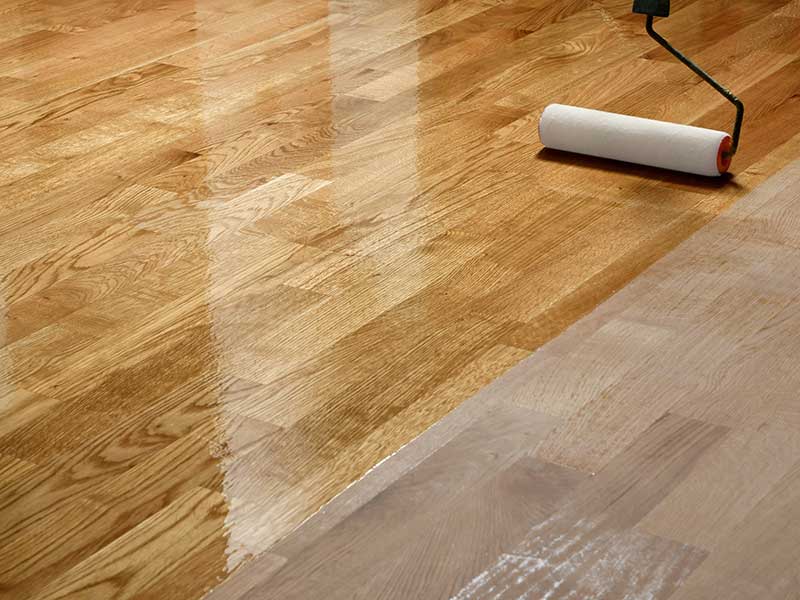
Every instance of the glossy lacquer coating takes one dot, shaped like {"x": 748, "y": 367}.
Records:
{"x": 250, "y": 248}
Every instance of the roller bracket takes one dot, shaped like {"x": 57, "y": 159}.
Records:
{"x": 645, "y": 6}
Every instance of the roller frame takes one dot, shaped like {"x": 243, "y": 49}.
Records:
{"x": 661, "y": 8}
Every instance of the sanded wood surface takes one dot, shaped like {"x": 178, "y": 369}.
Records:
{"x": 250, "y": 248}
{"x": 632, "y": 481}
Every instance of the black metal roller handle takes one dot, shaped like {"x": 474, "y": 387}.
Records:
{"x": 737, "y": 128}
{"x": 661, "y": 8}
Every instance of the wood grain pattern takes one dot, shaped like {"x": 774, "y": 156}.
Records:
{"x": 249, "y": 249}
{"x": 457, "y": 499}
{"x": 588, "y": 548}
{"x": 672, "y": 399}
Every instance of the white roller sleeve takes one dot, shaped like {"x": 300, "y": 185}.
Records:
{"x": 633, "y": 139}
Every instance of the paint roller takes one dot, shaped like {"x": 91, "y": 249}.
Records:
{"x": 645, "y": 141}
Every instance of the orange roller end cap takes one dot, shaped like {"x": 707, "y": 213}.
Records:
{"x": 723, "y": 155}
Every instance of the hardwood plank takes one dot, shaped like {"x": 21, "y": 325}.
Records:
{"x": 126, "y": 568}
{"x": 406, "y": 558}
{"x": 410, "y": 455}
{"x": 683, "y": 30}
{"x": 744, "y": 468}
{"x": 243, "y": 582}
{"x": 588, "y": 547}
{"x": 323, "y": 226}
{"x": 675, "y": 500}
{"x": 473, "y": 525}
{"x": 792, "y": 9}
{"x": 87, "y": 524}
{"x": 445, "y": 483}
{"x": 12, "y": 469}
{"x": 646, "y": 324}
{"x": 20, "y": 407}
{"x": 25, "y": 48}
{"x": 760, "y": 557}
{"x": 85, "y": 97}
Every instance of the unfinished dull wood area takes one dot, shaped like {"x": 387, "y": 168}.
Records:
{"x": 249, "y": 249}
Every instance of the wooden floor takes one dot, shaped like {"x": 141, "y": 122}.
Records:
{"x": 251, "y": 248}
{"x": 650, "y": 452}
